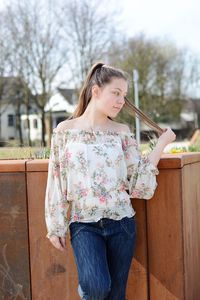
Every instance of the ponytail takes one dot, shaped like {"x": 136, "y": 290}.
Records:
{"x": 101, "y": 74}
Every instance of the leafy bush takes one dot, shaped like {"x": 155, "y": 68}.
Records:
{"x": 194, "y": 148}
{"x": 42, "y": 153}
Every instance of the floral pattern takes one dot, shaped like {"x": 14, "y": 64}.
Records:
{"x": 95, "y": 173}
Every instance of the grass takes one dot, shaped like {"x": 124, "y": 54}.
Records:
{"x": 36, "y": 152}
{"x": 23, "y": 153}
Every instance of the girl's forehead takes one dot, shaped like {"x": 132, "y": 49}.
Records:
{"x": 119, "y": 83}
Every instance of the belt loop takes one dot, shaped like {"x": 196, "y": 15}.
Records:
{"x": 101, "y": 222}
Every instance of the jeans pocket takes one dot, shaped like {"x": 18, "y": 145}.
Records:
{"x": 129, "y": 226}
{"x": 75, "y": 228}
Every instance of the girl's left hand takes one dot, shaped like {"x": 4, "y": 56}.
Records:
{"x": 167, "y": 137}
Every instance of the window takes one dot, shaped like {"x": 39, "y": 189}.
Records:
{"x": 35, "y": 123}
{"x": 10, "y": 120}
{"x": 60, "y": 119}
{"x": 25, "y": 124}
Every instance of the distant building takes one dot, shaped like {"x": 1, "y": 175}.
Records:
{"x": 12, "y": 107}
{"x": 59, "y": 107}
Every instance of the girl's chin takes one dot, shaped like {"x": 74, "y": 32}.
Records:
{"x": 114, "y": 114}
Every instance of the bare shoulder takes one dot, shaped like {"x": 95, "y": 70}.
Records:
{"x": 67, "y": 124}
{"x": 120, "y": 127}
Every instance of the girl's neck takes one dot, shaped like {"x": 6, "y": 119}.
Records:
{"x": 94, "y": 122}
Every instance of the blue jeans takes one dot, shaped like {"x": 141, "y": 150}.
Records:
{"x": 103, "y": 253}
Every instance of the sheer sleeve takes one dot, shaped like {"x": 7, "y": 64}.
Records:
{"x": 141, "y": 173}
{"x": 56, "y": 204}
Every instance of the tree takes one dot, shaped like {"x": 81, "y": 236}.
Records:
{"x": 163, "y": 70}
{"x": 4, "y": 65}
{"x": 88, "y": 31}
{"x": 37, "y": 49}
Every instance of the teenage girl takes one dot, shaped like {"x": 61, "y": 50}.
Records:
{"x": 95, "y": 167}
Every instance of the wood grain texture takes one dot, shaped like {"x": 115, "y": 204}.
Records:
{"x": 14, "y": 248}
{"x": 165, "y": 238}
{"x": 191, "y": 229}
{"x": 12, "y": 166}
{"x": 166, "y": 265}
{"x": 137, "y": 286}
{"x": 53, "y": 273}
{"x": 177, "y": 161}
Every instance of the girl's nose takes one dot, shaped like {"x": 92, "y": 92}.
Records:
{"x": 121, "y": 100}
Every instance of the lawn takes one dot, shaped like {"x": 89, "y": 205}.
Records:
{"x": 34, "y": 152}
{"x": 23, "y": 153}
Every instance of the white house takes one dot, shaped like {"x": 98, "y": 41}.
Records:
{"x": 61, "y": 105}
{"x": 58, "y": 108}
{"x": 7, "y": 128}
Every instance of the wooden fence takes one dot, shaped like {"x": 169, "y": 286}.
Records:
{"x": 167, "y": 260}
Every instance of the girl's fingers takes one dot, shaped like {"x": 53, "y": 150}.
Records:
{"x": 56, "y": 243}
{"x": 63, "y": 241}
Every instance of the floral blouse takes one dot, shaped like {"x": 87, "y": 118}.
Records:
{"x": 95, "y": 173}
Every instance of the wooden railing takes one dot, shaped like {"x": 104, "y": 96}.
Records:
{"x": 167, "y": 260}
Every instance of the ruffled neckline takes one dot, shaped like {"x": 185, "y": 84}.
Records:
{"x": 91, "y": 131}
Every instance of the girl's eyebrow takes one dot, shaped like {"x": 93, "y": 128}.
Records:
{"x": 119, "y": 89}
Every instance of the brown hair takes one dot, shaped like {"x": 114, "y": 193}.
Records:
{"x": 101, "y": 74}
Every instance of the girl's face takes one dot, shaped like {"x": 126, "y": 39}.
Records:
{"x": 111, "y": 97}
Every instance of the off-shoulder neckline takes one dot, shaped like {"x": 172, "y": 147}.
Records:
{"x": 96, "y": 131}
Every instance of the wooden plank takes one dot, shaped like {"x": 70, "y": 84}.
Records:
{"x": 137, "y": 286}
{"x": 191, "y": 229}
{"x": 14, "y": 258}
{"x": 37, "y": 165}
{"x": 12, "y": 166}
{"x": 177, "y": 161}
{"x": 45, "y": 259}
{"x": 165, "y": 240}
{"x": 53, "y": 273}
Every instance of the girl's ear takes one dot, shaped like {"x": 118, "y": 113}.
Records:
{"x": 95, "y": 91}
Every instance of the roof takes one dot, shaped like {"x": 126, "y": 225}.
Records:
{"x": 58, "y": 103}
{"x": 69, "y": 94}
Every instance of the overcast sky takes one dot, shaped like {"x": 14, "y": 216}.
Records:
{"x": 179, "y": 20}
{"x": 176, "y": 20}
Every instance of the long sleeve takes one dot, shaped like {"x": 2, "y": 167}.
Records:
{"x": 56, "y": 204}
{"x": 141, "y": 173}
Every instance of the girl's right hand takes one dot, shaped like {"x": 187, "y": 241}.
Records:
{"x": 167, "y": 137}
{"x": 58, "y": 242}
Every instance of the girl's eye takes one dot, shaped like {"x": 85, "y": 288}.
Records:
{"x": 117, "y": 93}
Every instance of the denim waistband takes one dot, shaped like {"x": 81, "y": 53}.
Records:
{"x": 103, "y": 221}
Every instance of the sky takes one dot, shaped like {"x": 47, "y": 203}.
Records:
{"x": 177, "y": 20}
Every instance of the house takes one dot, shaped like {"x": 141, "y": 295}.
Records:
{"x": 59, "y": 107}
{"x": 14, "y": 116}
{"x": 12, "y": 106}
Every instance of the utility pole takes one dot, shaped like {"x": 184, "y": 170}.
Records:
{"x": 137, "y": 121}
